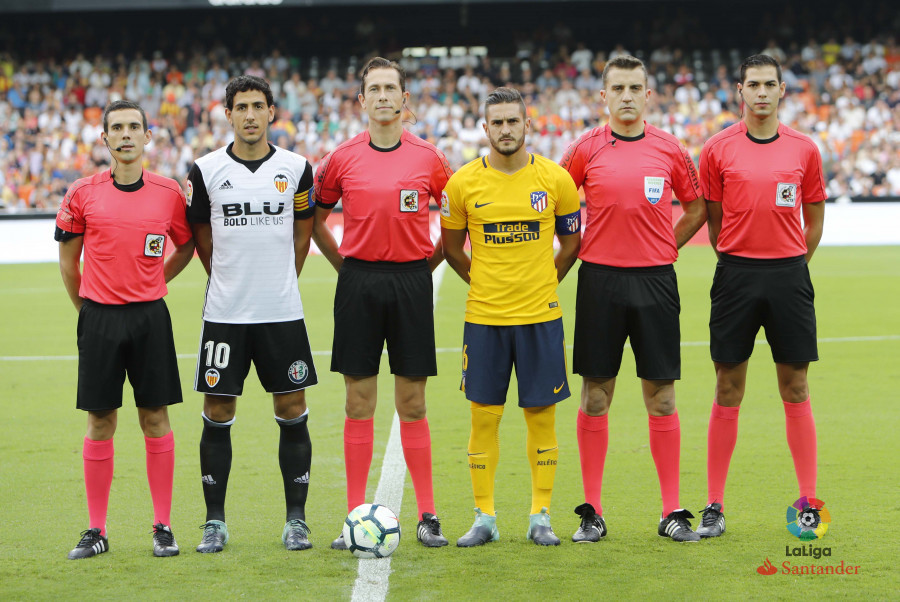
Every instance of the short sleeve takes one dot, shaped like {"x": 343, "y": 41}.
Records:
{"x": 198, "y": 210}
{"x": 440, "y": 174}
{"x": 814, "y": 190}
{"x": 453, "y": 207}
{"x": 327, "y": 184}
{"x": 685, "y": 182}
{"x": 710, "y": 177}
{"x": 305, "y": 195}
{"x": 179, "y": 229}
{"x": 69, "y": 219}
{"x": 573, "y": 162}
{"x": 568, "y": 209}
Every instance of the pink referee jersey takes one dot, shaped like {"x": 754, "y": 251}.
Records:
{"x": 384, "y": 194}
{"x": 124, "y": 235}
{"x": 628, "y": 185}
{"x": 761, "y": 185}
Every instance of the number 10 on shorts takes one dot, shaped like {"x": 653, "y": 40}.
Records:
{"x": 216, "y": 355}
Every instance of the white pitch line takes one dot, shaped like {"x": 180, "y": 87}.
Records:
{"x": 184, "y": 356}
{"x": 373, "y": 574}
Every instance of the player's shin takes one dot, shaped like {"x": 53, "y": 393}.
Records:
{"x": 160, "y": 452}
{"x": 665, "y": 446}
{"x": 294, "y": 458}
{"x": 359, "y": 438}
{"x": 720, "y": 441}
{"x": 415, "y": 438}
{"x": 215, "y": 465}
{"x": 801, "y": 438}
{"x": 98, "y": 474}
{"x": 484, "y": 453}
{"x": 593, "y": 443}
{"x": 543, "y": 454}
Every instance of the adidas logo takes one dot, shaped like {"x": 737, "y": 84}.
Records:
{"x": 226, "y": 186}
{"x": 304, "y": 480}
{"x": 208, "y": 479}
{"x": 672, "y": 528}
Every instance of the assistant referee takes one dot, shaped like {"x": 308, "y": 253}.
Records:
{"x": 758, "y": 177}
{"x": 121, "y": 219}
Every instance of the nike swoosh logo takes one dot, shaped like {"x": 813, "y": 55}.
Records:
{"x": 559, "y": 388}
{"x": 477, "y": 206}
{"x": 541, "y": 451}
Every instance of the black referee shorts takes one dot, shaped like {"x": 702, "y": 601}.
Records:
{"x": 641, "y": 304}
{"x": 383, "y": 301}
{"x": 776, "y": 294}
{"x": 133, "y": 339}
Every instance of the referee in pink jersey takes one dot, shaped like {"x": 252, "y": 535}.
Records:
{"x": 627, "y": 287}
{"x": 384, "y": 178}
{"x": 759, "y": 177}
{"x": 121, "y": 220}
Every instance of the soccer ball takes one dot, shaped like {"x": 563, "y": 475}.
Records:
{"x": 371, "y": 531}
{"x": 809, "y": 519}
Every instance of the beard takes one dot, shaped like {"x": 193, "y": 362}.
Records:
{"x": 508, "y": 151}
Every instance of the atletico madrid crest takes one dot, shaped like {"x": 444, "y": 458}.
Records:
{"x": 539, "y": 201}
{"x": 281, "y": 183}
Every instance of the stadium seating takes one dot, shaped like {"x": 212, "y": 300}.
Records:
{"x": 845, "y": 96}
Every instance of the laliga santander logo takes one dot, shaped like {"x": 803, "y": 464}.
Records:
{"x": 767, "y": 568}
{"x": 808, "y": 519}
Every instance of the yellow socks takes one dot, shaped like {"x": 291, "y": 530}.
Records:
{"x": 543, "y": 453}
{"x": 484, "y": 453}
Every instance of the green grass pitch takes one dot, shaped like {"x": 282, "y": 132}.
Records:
{"x": 854, "y": 389}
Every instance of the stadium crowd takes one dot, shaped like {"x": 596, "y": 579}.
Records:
{"x": 845, "y": 94}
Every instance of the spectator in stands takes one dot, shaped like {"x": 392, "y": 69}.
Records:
{"x": 61, "y": 93}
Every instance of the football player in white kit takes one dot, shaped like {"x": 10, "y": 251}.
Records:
{"x": 250, "y": 206}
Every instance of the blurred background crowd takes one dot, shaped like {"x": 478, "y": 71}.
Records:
{"x": 843, "y": 87}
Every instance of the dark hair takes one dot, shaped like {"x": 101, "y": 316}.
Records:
{"x": 381, "y": 63}
{"x": 625, "y": 62}
{"x": 121, "y": 105}
{"x": 246, "y": 83}
{"x": 504, "y": 96}
{"x": 759, "y": 60}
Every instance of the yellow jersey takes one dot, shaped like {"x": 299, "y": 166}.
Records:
{"x": 511, "y": 220}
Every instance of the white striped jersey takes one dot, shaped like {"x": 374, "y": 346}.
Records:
{"x": 251, "y": 207}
